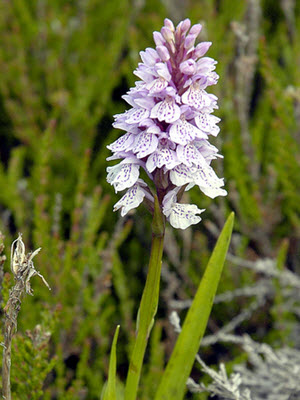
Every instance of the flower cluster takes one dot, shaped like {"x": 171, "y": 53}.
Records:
{"x": 168, "y": 126}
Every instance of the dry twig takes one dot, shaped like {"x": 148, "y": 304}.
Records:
{"x": 23, "y": 270}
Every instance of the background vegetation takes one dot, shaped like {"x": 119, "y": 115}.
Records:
{"x": 63, "y": 68}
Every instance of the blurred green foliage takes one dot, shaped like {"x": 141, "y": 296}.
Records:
{"x": 64, "y": 67}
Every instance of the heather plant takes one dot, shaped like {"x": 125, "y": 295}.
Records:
{"x": 64, "y": 67}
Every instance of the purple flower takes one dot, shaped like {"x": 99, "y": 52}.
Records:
{"x": 168, "y": 127}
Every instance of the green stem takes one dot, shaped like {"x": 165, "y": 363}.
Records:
{"x": 148, "y": 306}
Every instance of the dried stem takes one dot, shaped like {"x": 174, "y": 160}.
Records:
{"x": 11, "y": 310}
{"x": 23, "y": 270}
{"x": 2, "y": 260}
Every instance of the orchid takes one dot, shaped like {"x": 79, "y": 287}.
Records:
{"x": 168, "y": 127}
{"x": 167, "y": 132}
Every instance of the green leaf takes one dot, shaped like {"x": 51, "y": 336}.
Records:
{"x": 173, "y": 382}
{"x": 110, "y": 389}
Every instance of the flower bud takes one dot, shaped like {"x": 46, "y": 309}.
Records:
{"x": 201, "y": 49}
{"x": 195, "y": 29}
{"x": 169, "y": 24}
{"x": 167, "y": 34}
{"x": 188, "y": 67}
{"x": 163, "y": 53}
{"x": 189, "y": 41}
{"x": 158, "y": 39}
{"x": 184, "y": 26}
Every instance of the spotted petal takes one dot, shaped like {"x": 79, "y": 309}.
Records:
{"x": 136, "y": 115}
{"x": 145, "y": 144}
{"x": 184, "y": 215}
{"x": 131, "y": 199}
{"x": 207, "y": 123}
{"x": 162, "y": 156}
{"x": 124, "y": 143}
{"x": 208, "y": 182}
{"x": 181, "y": 175}
{"x": 157, "y": 85}
{"x": 180, "y": 215}
{"x": 182, "y": 132}
{"x": 166, "y": 110}
{"x": 123, "y": 176}
{"x": 189, "y": 155}
{"x": 196, "y": 97}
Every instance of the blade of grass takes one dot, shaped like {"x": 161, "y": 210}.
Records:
{"x": 110, "y": 390}
{"x": 173, "y": 382}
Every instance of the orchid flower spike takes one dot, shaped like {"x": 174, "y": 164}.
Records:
{"x": 168, "y": 127}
